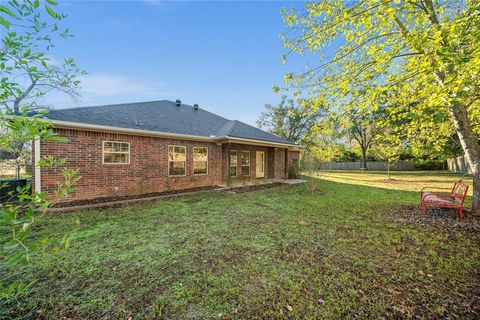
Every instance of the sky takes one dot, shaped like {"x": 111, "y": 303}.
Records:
{"x": 225, "y": 56}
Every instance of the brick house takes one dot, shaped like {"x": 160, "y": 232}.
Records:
{"x": 149, "y": 147}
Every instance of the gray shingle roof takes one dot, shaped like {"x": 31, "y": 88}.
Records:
{"x": 163, "y": 116}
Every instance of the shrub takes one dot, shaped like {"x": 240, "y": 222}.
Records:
{"x": 427, "y": 164}
{"x": 311, "y": 173}
{"x": 294, "y": 171}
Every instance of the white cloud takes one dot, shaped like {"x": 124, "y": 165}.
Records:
{"x": 166, "y": 5}
{"x": 96, "y": 89}
{"x": 154, "y": 2}
{"x": 102, "y": 85}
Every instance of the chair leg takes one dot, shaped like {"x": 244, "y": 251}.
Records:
{"x": 424, "y": 210}
{"x": 460, "y": 213}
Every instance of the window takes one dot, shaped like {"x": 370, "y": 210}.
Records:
{"x": 200, "y": 160}
{"x": 245, "y": 162}
{"x": 233, "y": 163}
{"x": 116, "y": 152}
{"x": 177, "y": 158}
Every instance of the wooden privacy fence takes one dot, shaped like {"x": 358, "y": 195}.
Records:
{"x": 459, "y": 164}
{"x": 403, "y": 165}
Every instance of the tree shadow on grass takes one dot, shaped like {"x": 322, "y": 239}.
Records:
{"x": 434, "y": 173}
{"x": 343, "y": 252}
{"x": 443, "y": 218}
{"x": 404, "y": 209}
{"x": 395, "y": 178}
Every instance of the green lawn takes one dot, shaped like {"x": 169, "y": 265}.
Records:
{"x": 403, "y": 180}
{"x": 347, "y": 251}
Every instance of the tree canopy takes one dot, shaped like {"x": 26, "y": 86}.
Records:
{"x": 24, "y": 53}
{"x": 421, "y": 57}
{"x": 28, "y": 71}
{"x": 290, "y": 119}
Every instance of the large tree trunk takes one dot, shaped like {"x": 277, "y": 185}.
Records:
{"x": 469, "y": 142}
{"x": 476, "y": 194}
{"x": 364, "y": 158}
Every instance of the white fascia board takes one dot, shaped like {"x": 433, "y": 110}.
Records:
{"x": 139, "y": 132}
{"x": 261, "y": 142}
{"x": 102, "y": 128}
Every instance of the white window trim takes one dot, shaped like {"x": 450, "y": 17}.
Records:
{"x": 168, "y": 159}
{"x": 244, "y": 165}
{"x": 115, "y": 163}
{"x": 236, "y": 164}
{"x": 193, "y": 161}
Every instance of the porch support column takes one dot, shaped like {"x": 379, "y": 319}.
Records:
{"x": 37, "y": 169}
{"x": 286, "y": 163}
{"x": 229, "y": 178}
{"x": 265, "y": 164}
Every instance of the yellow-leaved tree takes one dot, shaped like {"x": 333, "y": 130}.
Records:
{"x": 423, "y": 54}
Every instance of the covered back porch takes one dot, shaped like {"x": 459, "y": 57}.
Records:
{"x": 247, "y": 163}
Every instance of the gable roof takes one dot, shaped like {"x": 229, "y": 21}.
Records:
{"x": 163, "y": 116}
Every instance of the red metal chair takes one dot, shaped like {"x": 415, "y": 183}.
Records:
{"x": 453, "y": 200}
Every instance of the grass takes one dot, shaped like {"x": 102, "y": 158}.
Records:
{"x": 274, "y": 253}
{"x": 400, "y": 180}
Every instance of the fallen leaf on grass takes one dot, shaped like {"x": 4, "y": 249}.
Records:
{"x": 289, "y": 307}
{"x": 392, "y": 291}
{"x": 360, "y": 294}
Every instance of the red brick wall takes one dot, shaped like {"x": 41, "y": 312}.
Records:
{"x": 148, "y": 168}
{"x": 242, "y": 147}
{"x": 146, "y": 173}
{"x": 274, "y": 162}
{"x": 279, "y": 160}
{"x": 293, "y": 157}
{"x": 270, "y": 162}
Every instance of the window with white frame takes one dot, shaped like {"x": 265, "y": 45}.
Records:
{"x": 177, "y": 160}
{"x": 115, "y": 152}
{"x": 200, "y": 160}
{"x": 245, "y": 162}
{"x": 233, "y": 163}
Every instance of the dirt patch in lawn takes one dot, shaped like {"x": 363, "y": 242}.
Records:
{"x": 243, "y": 189}
{"x": 118, "y": 201}
{"x": 438, "y": 217}
{"x": 101, "y": 200}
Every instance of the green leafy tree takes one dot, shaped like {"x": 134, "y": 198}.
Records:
{"x": 291, "y": 120}
{"x": 362, "y": 127}
{"x": 310, "y": 170}
{"x": 325, "y": 140}
{"x": 347, "y": 156}
{"x": 426, "y": 52}
{"x": 389, "y": 148}
{"x": 426, "y": 139}
{"x": 29, "y": 73}
{"x": 18, "y": 216}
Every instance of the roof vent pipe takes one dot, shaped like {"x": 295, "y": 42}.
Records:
{"x": 195, "y": 106}
{"x": 178, "y": 102}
